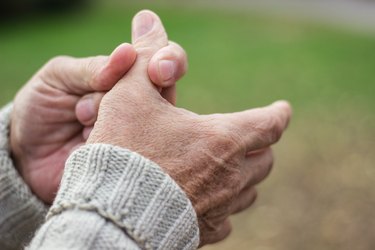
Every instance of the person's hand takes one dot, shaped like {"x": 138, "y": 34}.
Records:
{"x": 216, "y": 159}
{"x": 54, "y": 112}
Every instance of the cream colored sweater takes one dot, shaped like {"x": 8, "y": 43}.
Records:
{"x": 109, "y": 198}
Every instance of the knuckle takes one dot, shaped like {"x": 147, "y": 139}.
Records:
{"x": 95, "y": 61}
{"x": 261, "y": 170}
{"x": 271, "y": 129}
{"x": 180, "y": 56}
{"x": 248, "y": 201}
{"x": 224, "y": 143}
{"x": 267, "y": 167}
{"x": 56, "y": 61}
{"x": 224, "y": 147}
{"x": 90, "y": 69}
{"x": 216, "y": 234}
{"x": 277, "y": 128}
{"x": 214, "y": 230}
{"x": 59, "y": 59}
{"x": 227, "y": 139}
{"x": 145, "y": 52}
{"x": 52, "y": 70}
{"x": 226, "y": 230}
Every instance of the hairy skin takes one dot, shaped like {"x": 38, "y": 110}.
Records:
{"x": 216, "y": 159}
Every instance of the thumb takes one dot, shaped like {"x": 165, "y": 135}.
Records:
{"x": 148, "y": 36}
{"x": 259, "y": 128}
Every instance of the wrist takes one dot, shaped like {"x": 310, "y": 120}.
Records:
{"x": 130, "y": 191}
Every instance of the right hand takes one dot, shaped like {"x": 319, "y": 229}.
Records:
{"x": 60, "y": 102}
{"x": 216, "y": 159}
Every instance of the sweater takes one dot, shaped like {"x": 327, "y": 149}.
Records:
{"x": 21, "y": 213}
{"x": 109, "y": 198}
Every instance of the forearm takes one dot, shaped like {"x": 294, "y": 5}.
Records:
{"x": 21, "y": 212}
{"x": 111, "y": 198}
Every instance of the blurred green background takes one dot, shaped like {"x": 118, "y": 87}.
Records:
{"x": 321, "y": 192}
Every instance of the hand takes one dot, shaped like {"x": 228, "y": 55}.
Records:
{"x": 54, "y": 111}
{"x": 216, "y": 159}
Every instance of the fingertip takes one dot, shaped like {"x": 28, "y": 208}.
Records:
{"x": 85, "y": 110}
{"x": 148, "y": 33}
{"x": 145, "y": 12}
{"x": 284, "y": 105}
{"x": 162, "y": 72}
{"x": 286, "y": 109}
{"x": 142, "y": 23}
{"x": 119, "y": 63}
{"x": 124, "y": 53}
{"x": 168, "y": 65}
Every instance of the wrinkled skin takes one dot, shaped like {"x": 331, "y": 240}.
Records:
{"x": 54, "y": 112}
{"x": 216, "y": 159}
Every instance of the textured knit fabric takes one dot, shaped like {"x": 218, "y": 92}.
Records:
{"x": 112, "y": 198}
{"x": 20, "y": 211}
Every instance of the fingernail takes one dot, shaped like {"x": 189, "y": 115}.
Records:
{"x": 167, "y": 69}
{"x": 143, "y": 24}
{"x": 86, "y": 109}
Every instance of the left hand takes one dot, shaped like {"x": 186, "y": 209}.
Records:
{"x": 216, "y": 159}
{"x": 54, "y": 111}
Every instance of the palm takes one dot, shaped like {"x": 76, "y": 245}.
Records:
{"x": 47, "y": 131}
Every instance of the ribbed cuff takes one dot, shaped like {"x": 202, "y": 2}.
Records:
{"x": 132, "y": 192}
{"x": 21, "y": 212}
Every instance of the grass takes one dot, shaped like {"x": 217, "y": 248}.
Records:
{"x": 252, "y": 59}
{"x": 320, "y": 194}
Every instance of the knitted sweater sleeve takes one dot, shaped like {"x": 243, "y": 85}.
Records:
{"x": 112, "y": 198}
{"x": 21, "y": 213}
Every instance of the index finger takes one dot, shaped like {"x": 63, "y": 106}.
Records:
{"x": 85, "y": 75}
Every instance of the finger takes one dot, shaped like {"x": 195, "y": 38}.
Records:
{"x": 244, "y": 200}
{"x": 261, "y": 127}
{"x": 256, "y": 167}
{"x": 120, "y": 61}
{"x": 148, "y": 36}
{"x": 84, "y": 75}
{"x": 87, "y": 108}
{"x": 86, "y": 132}
{"x": 216, "y": 233}
{"x": 169, "y": 94}
{"x": 168, "y": 65}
